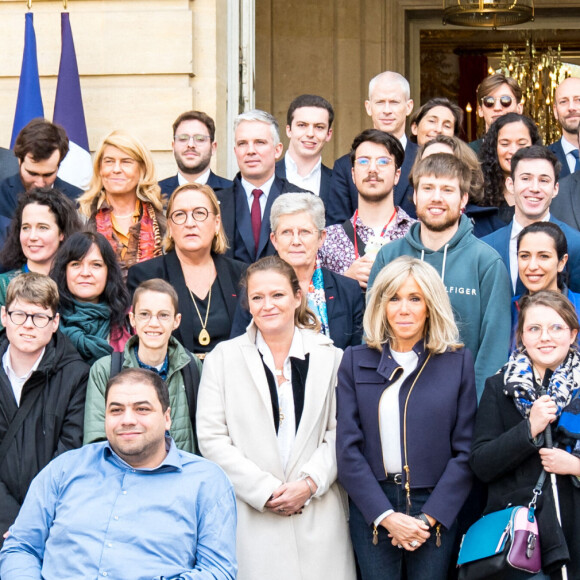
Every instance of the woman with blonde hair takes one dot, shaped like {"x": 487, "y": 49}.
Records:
{"x": 123, "y": 201}
{"x": 205, "y": 280}
{"x": 266, "y": 414}
{"x": 406, "y": 405}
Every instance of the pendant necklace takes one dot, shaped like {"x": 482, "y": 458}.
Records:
{"x": 203, "y": 337}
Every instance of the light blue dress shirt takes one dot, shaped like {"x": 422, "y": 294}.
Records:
{"x": 90, "y": 515}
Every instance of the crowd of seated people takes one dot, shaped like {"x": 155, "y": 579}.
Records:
{"x": 365, "y": 351}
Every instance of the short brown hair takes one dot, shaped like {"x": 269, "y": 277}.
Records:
{"x": 492, "y": 82}
{"x": 303, "y": 316}
{"x": 196, "y": 116}
{"x": 156, "y": 285}
{"x": 40, "y": 138}
{"x": 220, "y": 242}
{"x": 443, "y": 165}
{"x": 35, "y": 289}
{"x": 551, "y": 299}
{"x": 141, "y": 376}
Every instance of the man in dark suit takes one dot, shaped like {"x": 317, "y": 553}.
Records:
{"x": 309, "y": 129}
{"x": 389, "y": 104}
{"x": 567, "y": 113}
{"x": 40, "y": 147}
{"x": 245, "y": 207}
{"x": 193, "y": 146}
{"x": 533, "y": 184}
{"x": 8, "y": 163}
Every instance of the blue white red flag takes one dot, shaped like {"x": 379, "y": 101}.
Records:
{"x": 69, "y": 112}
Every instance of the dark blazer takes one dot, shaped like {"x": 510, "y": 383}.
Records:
{"x": 505, "y": 458}
{"x": 12, "y": 186}
{"x": 500, "y": 241}
{"x": 440, "y": 415}
{"x": 344, "y": 307}
{"x": 170, "y": 184}
{"x": 343, "y": 199}
{"x": 557, "y": 148}
{"x": 325, "y": 181}
{"x": 237, "y": 222}
{"x": 8, "y": 163}
{"x": 566, "y": 205}
{"x": 168, "y": 267}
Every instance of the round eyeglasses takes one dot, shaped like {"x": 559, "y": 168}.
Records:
{"x": 199, "y": 214}
{"x": 39, "y": 320}
{"x": 555, "y": 331}
{"x": 489, "y": 102}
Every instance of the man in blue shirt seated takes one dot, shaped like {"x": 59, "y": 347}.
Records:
{"x": 132, "y": 507}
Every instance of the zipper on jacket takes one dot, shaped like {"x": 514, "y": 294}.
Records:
{"x": 406, "y": 466}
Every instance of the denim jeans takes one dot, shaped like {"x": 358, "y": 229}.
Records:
{"x": 387, "y": 562}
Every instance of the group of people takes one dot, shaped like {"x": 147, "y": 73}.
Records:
{"x": 353, "y": 347}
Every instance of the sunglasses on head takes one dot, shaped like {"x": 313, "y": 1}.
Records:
{"x": 489, "y": 102}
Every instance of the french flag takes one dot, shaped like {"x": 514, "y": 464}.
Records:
{"x": 76, "y": 168}
{"x": 29, "y": 103}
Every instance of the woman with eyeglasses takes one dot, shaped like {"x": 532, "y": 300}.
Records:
{"x": 123, "y": 201}
{"x": 93, "y": 297}
{"x": 507, "y": 134}
{"x": 539, "y": 387}
{"x": 297, "y": 223}
{"x": 155, "y": 315}
{"x": 206, "y": 281}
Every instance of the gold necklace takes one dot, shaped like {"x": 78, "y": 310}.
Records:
{"x": 203, "y": 337}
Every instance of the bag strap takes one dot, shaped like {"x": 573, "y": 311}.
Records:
{"x": 349, "y": 231}
{"x": 116, "y": 364}
{"x": 19, "y": 418}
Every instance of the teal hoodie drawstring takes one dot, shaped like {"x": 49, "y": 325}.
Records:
{"x": 444, "y": 260}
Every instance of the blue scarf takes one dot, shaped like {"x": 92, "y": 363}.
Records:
{"x": 317, "y": 299}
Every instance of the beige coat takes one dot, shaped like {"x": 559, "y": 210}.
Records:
{"x": 236, "y": 430}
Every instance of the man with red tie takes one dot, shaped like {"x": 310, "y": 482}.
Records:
{"x": 245, "y": 206}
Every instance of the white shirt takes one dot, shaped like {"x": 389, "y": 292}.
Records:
{"x": 310, "y": 182}
{"x": 265, "y": 187}
{"x": 287, "y": 425}
{"x": 568, "y": 148}
{"x": 403, "y": 141}
{"x": 513, "y": 250}
{"x": 202, "y": 179}
{"x": 390, "y": 419}
{"x": 17, "y": 382}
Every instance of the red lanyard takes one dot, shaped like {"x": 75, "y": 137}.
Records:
{"x": 382, "y": 233}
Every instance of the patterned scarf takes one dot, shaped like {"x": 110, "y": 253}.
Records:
{"x": 519, "y": 381}
{"x": 149, "y": 237}
{"x": 317, "y": 299}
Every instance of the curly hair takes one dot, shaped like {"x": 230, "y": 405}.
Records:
{"x": 115, "y": 295}
{"x": 61, "y": 207}
{"x": 493, "y": 176}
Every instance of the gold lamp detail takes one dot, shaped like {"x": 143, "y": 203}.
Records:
{"x": 487, "y": 13}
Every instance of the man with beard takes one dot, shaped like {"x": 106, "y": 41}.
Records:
{"x": 350, "y": 248}
{"x": 475, "y": 277}
{"x": 131, "y": 507}
{"x": 567, "y": 113}
{"x": 193, "y": 146}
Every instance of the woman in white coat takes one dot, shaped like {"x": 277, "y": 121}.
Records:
{"x": 266, "y": 413}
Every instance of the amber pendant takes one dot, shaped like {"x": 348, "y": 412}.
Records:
{"x": 203, "y": 337}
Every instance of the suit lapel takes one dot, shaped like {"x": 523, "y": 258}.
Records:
{"x": 329, "y": 291}
{"x": 244, "y": 220}
{"x": 275, "y": 192}
{"x": 320, "y": 371}
{"x": 174, "y": 275}
{"x": 575, "y": 197}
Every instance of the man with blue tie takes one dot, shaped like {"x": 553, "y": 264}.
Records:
{"x": 389, "y": 104}
{"x": 567, "y": 113}
{"x": 245, "y": 207}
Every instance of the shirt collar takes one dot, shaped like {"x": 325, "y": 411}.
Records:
{"x": 265, "y": 187}
{"x": 7, "y": 363}
{"x": 403, "y": 141}
{"x": 567, "y": 146}
{"x": 291, "y": 165}
{"x": 517, "y": 227}
{"x": 296, "y": 348}
{"x": 172, "y": 461}
{"x": 202, "y": 179}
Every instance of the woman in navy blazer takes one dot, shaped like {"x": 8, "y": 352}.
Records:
{"x": 406, "y": 405}
{"x": 297, "y": 223}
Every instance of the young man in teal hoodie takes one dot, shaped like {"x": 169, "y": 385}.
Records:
{"x": 474, "y": 274}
